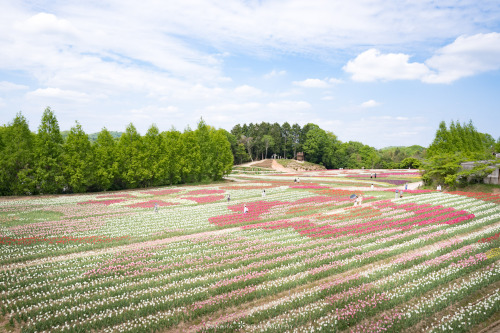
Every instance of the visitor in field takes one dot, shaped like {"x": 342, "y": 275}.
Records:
{"x": 371, "y": 187}
{"x": 396, "y": 194}
{"x": 263, "y": 193}
{"x": 156, "y": 207}
{"x": 375, "y": 175}
{"x": 406, "y": 186}
{"x": 298, "y": 180}
{"x": 439, "y": 188}
{"x": 228, "y": 197}
{"x": 401, "y": 194}
{"x": 245, "y": 209}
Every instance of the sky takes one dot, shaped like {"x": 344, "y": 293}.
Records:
{"x": 384, "y": 73}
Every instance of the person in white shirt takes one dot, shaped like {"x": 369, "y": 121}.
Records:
{"x": 245, "y": 209}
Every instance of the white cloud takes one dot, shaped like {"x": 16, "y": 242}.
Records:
{"x": 274, "y": 73}
{"x": 45, "y": 23}
{"x": 371, "y": 65}
{"x": 316, "y": 83}
{"x": 58, "y": 94}
{"x": 9, "y": 86}
{"x": 247, "y": 91}
{"x": 466, "y": 56}
{"x": 370, "y": 104}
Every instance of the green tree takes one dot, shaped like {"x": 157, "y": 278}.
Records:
{"x": 223, "y": 158}
{"x": 133, "y": 168}
{"x": 268, "y": 142}
{"x": 241, "y": 154}
{"x": 191, "y": 157}
{"x": 154, "y": 150}
{"x": 16, "y": 158}
{"x": 106, "y": 162}
{"x": 48, "y": 152}
{"x": 78, "y": 169}
{"x": 173, "y": 160}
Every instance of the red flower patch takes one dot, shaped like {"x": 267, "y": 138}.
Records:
{"x": 151, "y": 204}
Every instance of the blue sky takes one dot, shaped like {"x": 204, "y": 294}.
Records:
{"x": 383, "y": 73}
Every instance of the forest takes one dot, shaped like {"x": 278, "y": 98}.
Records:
{"x": 258, "y": 141}
{"x": 44, "y": 163}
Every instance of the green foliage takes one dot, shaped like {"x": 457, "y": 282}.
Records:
{"x": 78, "y": 168}
{"x": 475, "y": 175}
{"x": 105, "y": 160}
{"x": 16, "y": 158}
{"x": 451, "y": 147}
{"x": 48, "y": 155}
{"x": 410, "y": 162}
{"x": 45, "y": 163}
{"x": 442, "y": 169}
{"x": 320, "y": 146}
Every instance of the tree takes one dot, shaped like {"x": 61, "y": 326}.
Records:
{"x": 223, "y": 161}
{"x": 154, "y": 150}
{"x": 315, "y": 144}
{"x": 248, "y": 143}
{"x": 241, "y": 154}
{"x": 133, "y": 170}
{"x": 295, "y": 136}
{"x": 78, "y": 169}
{"x": 48, "y": 151}
{"x": 106, "y": 162}
{"x": 191, "y": 157}
{"x": 16, "y": 158}
{"x": 268, "y": 142}
{"x": 173, "y": 160}
{"x": 451, "y": 147}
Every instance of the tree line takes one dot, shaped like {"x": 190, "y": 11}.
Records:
{"x": 453, "y": 145}
{"x": 265, "y": 140}
{"x": 42, "y": 162}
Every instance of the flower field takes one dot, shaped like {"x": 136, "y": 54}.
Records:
{"x": 303, "y": 259}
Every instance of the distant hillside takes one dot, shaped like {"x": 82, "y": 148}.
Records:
{"x": 412, "y": 151}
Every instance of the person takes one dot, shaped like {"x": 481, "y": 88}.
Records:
{"x": 295, "y": 180}
{"x": 298, "y": 180}
{"x": 371, "y": 187}
{"x": 228, "y": 197}
{"x": 396, "y": 194}
{"x": 401, "y": 194}
{"x": 245, "y": 209}
{"x": 356, "y": 201}
{"x": 156, "y": 207}
{"x": 375, "y": 175}
{"x": 371, "y": 175}
{"x": 439, "y": 188}
{"x": 263, "y": 193}
{"x": 406, "y": 186}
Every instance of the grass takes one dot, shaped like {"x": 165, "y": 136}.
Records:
{"x": 20, "y": 218}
